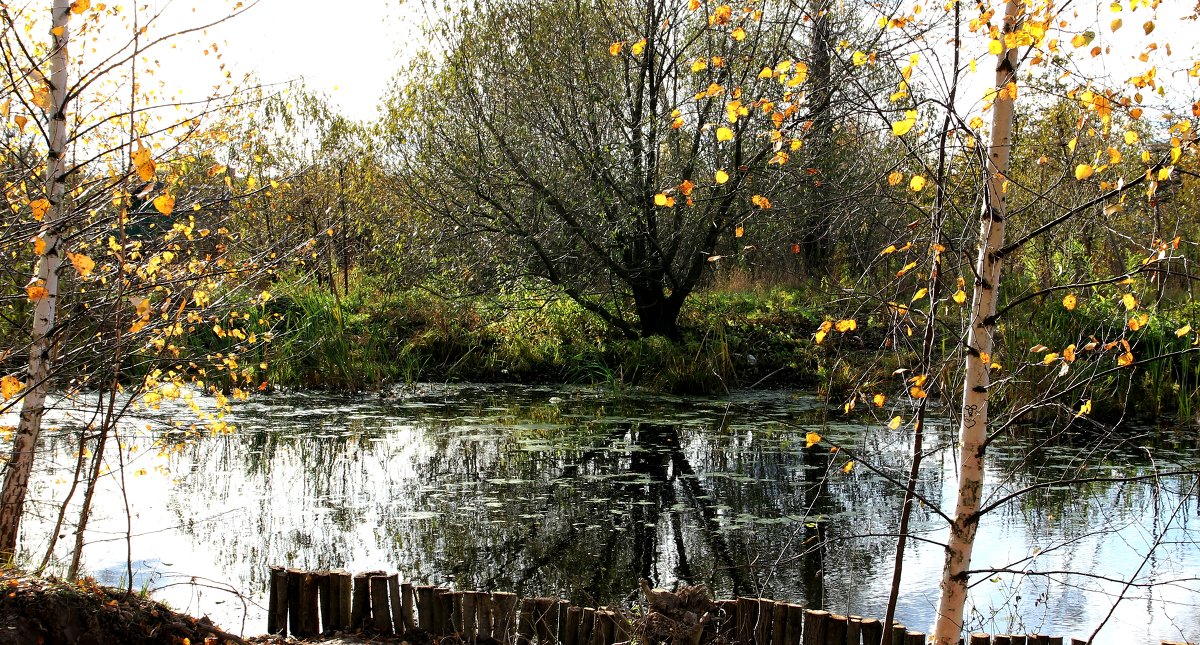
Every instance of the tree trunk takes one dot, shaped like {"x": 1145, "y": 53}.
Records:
{"x": 973, "y": 430}
{"x": 20, "y": 465}
{"x": 657, "y": 313}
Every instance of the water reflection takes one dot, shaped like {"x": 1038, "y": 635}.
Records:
{"x": 571, "y": 493}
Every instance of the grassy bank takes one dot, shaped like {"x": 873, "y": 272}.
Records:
{"x": 373, "y": 336}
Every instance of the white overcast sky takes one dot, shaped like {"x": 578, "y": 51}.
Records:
{"x": 350, "y": 49}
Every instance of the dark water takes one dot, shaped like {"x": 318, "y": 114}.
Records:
{"x": 578, "y": 493}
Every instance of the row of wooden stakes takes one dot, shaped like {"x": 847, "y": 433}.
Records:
{"x": 309, "y": 603}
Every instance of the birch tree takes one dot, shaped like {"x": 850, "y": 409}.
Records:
{"x": 107, "y": 240}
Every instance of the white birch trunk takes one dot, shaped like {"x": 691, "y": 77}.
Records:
{"x": 973, "y": 431}
{"x": 20, "y": 465}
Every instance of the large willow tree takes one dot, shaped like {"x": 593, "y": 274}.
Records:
{"x": 613, "y": 148}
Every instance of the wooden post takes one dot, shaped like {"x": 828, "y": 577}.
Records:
{"x": 393, "y": 582}
{"x": 1056, "y": 640}
{"x": 278, "y": 604}
{"x": 816, "y": 625}
{"x": 425, "y": 608}
{"x": 605, "y": 629}
{"x": 343, "y": 582}
{"x": 325, "y": 593}
{"x": 726, "y": 619}
{"x": 979, "y": 638}
{"x": 310, "y": 610}
{"x": 587, "y": 623}
{"x": 762, "y": 627}
{"x": 899, "y": 633}
{"x": 294, "y": 578}
{"x": 525, "y": 626}
{"x": 408, "y": 600}
{"x": 379, "y": 603}
{"x": 1037, "y": 639}
{"x": 456, "y": 612}
{"x": 360, "y": 610}
{"x": 483, "y": 615}
{"x": 747, "y": 618}
{"x": 570, "y": 634}
{"x": 1074, "y": 641}
{"x": 854, "y": 630}
{"x": 779, "y": 623}
{"x": 1018, "y": 639}
{"x": 915, "y": 638}
{"x": 563, "y": 607}
{"x": 795, "y": 625}
{"x": 872, "y": 631}
{"x": 546, "y": 621}
{"x": 468, "y": 617}
{"x": 835, "y": 632}
{"x": 1002, "y": 639}
{"x": 504, "y": 616}
{"x": 445, "y": 611}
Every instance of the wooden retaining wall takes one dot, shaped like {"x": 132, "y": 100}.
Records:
{"x": 308, "y": 603}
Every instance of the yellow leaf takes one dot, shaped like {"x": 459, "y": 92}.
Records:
{"x": 739, "y": 34}
{"x": 1182, "y": 331}
{"x": 10, "y": 386}
{"x": 1086, "y": 408}
{"x": 846, "y": 409}
{"x": 916, "y": 184}
{"x": 879, "y": 400}
{"x": 1125, "y": 359}
{"x": 20, "y": 121}
{"x": 700, "y": 65}
{"x": 36, "y": 292}
{"x": 848, "y": 467}
{"x": 41, "y": 98}
{"x": 1069, "y": 353}
{"x": 894, "y": 179}
{"x": 1116, "y": 24}
{"x": 860, "y": 58}
{"x": 637, "y": 48}
{"x": 761, "y": 202}
{"x": 844, "y": 326}
{"x": 80, "y": 6}
{"x": 895, "y": 423}
{"x": 39, "y": 245}
{"x": 143, "y": 163}
{"x": 917, "y": 392}
{"x": 1083, "y": 171}
{"x": 801, "y": 74}
{"x": 39, "y": 207}
{"x": 686, "y": 187}
{"x": 615, "y": 48}
{"x": 811, "y": 439}
{"x": 1148, "y": 27}
{"x": 891, "y": 248}
{"x": 1130, "y": 301}
{"x": 164, "y": 204}
{"x": 920, "y": 294}
{"x": 724, "y": 134}
{"x": 995, "y": 47}
{"x": 1049, "y": 358}
{"x": 739, "y": 231}
{"x": 721, "y": 176}
{"x": 906, "y": 268}
{"x": 766, "y": 72}
{"x": 82, "y": 263}
{"x": 900, "y": 128}
{"x": 1069, "y": 301}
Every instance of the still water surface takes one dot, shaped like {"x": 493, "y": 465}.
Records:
{"x": 578, "y": 493}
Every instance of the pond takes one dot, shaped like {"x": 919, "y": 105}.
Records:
{"x": 579, "y": 493}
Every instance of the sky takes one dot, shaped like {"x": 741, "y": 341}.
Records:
{"x": 348, "y": 49}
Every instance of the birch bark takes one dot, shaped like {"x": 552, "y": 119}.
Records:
{"x": 41, "y": 347}
{"x": 973, "y": 429}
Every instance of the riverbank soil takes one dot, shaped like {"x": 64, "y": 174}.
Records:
{"x": 52, "y": 612}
